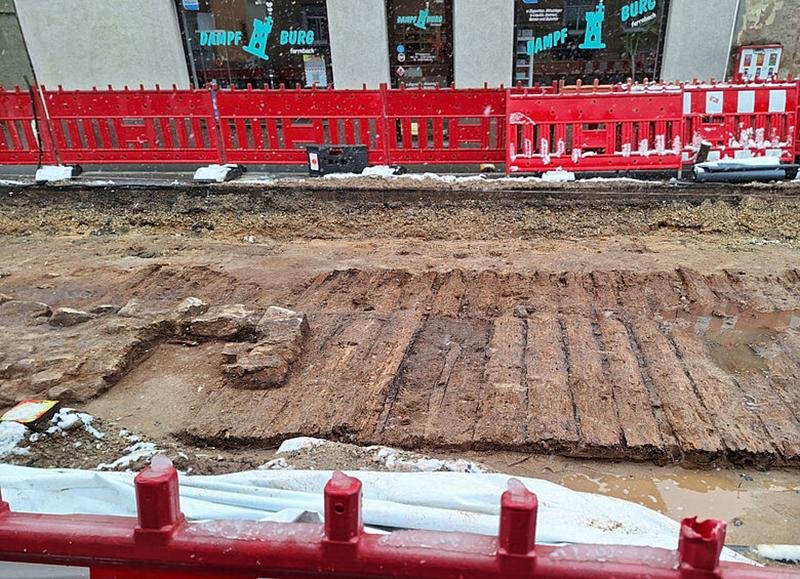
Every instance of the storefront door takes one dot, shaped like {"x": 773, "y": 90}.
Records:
{"x": 420, "y": 42}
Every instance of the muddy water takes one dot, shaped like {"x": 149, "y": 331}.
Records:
{"x": 759, "y": 507}
{"x": 730, "y": 335}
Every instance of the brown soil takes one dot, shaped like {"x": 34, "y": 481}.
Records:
{"x": 665, "y": 346}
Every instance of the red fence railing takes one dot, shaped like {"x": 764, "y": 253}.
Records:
{"x": 160, "y": 543}
{"x": 138, "y": 126}
{"x": 583, "y": 128}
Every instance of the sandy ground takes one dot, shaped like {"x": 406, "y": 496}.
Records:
{"x": 597, "y": 346}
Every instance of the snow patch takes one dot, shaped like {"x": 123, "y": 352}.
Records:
{"x": 215, "y": 173}
{"x": 741, "y": 162}
{"x": 558, "y": 176}
{"x": 783, "y": 553}
{"x": 299, "y": 443}
{"x": 53, "y": 173}
{"x": 11, "y": 434}
{"x": 135, "y": 452}
{"x": 66, "y": 419}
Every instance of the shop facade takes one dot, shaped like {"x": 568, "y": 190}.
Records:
{"x": 350, "y": 43}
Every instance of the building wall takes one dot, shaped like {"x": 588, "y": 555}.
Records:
{"x": 85, "y": 43}
{"x": 697, "y": 43}
{"x": 769, "y": 22}
{"x": 483, "y": 42}
{"x": 359, "y": 43}
{"x": 14, "y": 65}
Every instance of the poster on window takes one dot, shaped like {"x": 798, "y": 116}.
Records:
{"x": 263, "y": 43}
{"x": 420, "y": 42}
{"x": 611, "y": 40}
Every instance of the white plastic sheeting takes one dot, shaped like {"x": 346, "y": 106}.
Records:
{"x": 439, "y": 501}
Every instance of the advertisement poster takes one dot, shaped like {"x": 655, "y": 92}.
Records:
{"x": 420, "y": 40}
{"x": 611, "y": 40}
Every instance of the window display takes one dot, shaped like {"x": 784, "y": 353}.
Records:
{"x": 420, "y": 42}
{"x": 611, "y": 40}
{"x": 261, "y": 42}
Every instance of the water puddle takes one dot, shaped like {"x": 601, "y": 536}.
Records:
{"x": 755, "y": 505}
{"x": 730, "y": 337}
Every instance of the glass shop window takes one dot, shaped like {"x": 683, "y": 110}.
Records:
{"x": 420, "y": 42}
{"x": 611, "y": 40}
{"x": 264, "y": 43}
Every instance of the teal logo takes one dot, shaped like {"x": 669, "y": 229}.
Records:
{"x": 258, "y": 40}
{"x": 638, "y": 8}
{"x": 593, "y": 38}
{"x": 220, "y": 38}
{"x": 421, "y": 20}
{"x": 546, "y": 42}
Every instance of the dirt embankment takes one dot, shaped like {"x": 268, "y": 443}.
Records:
{"x": 234, "y": 212}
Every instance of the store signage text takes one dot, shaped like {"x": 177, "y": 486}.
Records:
{"x": 421, "y": 20}
{"x": 257, "y": 46}
{"x": 542, "y": 43}
{"x": 220, "y": 38}
{"x": 638, "y": 8}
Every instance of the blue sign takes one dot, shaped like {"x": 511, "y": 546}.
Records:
{"x": 421, "y": 20}
{"x": 401, "y": 49}
{"x": 193, "y": 5}
{"x": 258, "y": 40}
{"x": 593, "y": 38}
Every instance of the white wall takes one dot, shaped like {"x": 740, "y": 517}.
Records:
{"x": 85, "y": 43}
{"x": 698, "y": 39}
{"x": 483, "y": 42}
{"x": 359, "y": 43}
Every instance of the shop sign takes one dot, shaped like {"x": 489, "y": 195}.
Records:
{"x": 220, "y": 38}
{"x": 421, "y": 20}
{"x": 546, "y": 42}
{"x": 644, "y": 8}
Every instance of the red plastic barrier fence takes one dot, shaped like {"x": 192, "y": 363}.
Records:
{"x": 133, "y": 126}
{"x": 19, "y": 144}
{"x": 446, "y": 125}
{"x": 741, "y": 120}
{"x": 161, "y": 544}
{"x": 274, "y": 126}
{"x": 603, "y": 131}
{"x": 581, "y": 128}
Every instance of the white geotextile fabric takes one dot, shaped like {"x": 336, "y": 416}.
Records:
{"x": 440, "y": 501}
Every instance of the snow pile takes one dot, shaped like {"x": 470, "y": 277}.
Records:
{"x": 782, "y": 553}
{"x": 215, "y": 173}
{"x": 67, "y": 418}
{"x": 53, "y": 173}
{"x": 395, "y": 460}
{"x": 558, "y": 176}
{"x": 136, "y": 452}
{"x": 11, "y": 434}
{"x": 297, "y": 451}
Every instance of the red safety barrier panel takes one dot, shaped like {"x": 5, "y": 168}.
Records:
{"x": 133, "y": 126}
{"x": 18, "y": 137}
{"x": 159, "y": 543}
{"x": 446, "y": 125}
{"x": 581, "y": 128}
{"x": 274, "y": 126}
{"x": 741, "y": 120}
{"x": 598, "y": 131}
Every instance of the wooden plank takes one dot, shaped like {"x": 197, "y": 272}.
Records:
{"x": 689, "y": 420}
{"x": 503, "y": 407}
{"x": 591, "y": 390}
{"x": 637, "y": 418}
{"x": 551, "y": 416}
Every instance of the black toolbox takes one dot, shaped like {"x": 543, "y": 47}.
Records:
{"x": 327, "y": 159}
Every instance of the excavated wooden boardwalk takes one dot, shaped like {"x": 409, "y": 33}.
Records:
{"x": 647, "y": 366}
